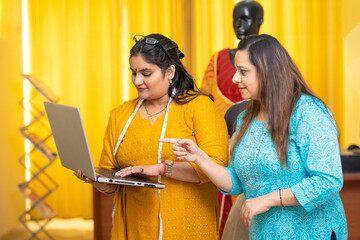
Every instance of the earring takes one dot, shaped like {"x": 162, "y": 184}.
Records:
{"x": 170, "y": 81}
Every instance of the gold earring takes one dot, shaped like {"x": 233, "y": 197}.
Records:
{"x": 170, "y": 81}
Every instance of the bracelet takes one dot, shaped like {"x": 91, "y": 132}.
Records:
{"x": 281, "y": 203}
{"x": 164, "y": 168}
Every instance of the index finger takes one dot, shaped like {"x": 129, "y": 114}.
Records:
{"x": 169, "y": 140}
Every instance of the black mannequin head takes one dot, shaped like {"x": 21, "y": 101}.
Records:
{"x": 247, "y": 18}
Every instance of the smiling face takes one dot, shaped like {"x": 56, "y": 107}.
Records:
{"x": 245, "y": 76}
{"x": 149, "y": 80}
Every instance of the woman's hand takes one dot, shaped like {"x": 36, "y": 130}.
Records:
{"x": 184, "y": 149}
{"x": 101, "y": 187}
{"x": 253, "y": 207}
{"x": 144, "y": 171}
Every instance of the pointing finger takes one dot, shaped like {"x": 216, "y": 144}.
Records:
{"x": 169, "y": 140}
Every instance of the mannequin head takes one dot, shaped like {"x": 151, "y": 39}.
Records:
{"x": 247, "y": 18}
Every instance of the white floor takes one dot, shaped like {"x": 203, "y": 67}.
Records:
{"x": 58, "y": 228}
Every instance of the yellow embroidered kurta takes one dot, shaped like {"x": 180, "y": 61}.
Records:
{"x": 188, "y": 210}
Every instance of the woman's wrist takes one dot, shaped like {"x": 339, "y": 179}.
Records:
{"x": 163, "y": 168}
{"x": 274, "y": 199}
{"x": 106, "y": 188}
{"x": 202, "y": 158}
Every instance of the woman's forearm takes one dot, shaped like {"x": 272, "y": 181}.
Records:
{"x": 186, "y": 150}
{"x": 282, "y": 198}
{"x": 183, "y": 171}
{"x": 215, "y": 172}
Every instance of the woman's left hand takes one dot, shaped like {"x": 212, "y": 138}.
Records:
{"x": 253, "y": 207}
{"x": 144, "y": 171}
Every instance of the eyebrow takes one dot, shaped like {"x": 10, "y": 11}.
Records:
{"x": 241, "y": 67}
{"x": 141, "y": 70}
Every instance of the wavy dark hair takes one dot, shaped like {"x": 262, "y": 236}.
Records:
{"x": 183, "y": 82}
{"x": 280, "y": 87}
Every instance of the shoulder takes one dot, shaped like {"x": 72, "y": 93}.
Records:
{"x": 309, "y": 105}
{"x": 223, "y": 54}
{"x": 219, "y": 53}
{"x": 240, "y": 117}
{"x": 201, "y": 105}
{"x": 124, "y": 108}
{"x": 312, "y": 112}
{"x": 201, "y": 100}
{"x": 223, "y": 51}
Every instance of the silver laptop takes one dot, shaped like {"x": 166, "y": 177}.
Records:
{"x": 73, "y": 149}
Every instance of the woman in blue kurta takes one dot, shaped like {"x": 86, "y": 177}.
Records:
{"x": 285, "y": 153}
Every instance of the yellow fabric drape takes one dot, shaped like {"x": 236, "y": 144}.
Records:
{"x": 351, "y": 39}
{"x": 311, "y": 31}
{"x": 213, "y": 31}
{"x": 80, "y": 49}
{"x": 11, "y": 142}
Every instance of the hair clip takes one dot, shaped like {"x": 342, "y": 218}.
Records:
{"x": 180, "y": 55}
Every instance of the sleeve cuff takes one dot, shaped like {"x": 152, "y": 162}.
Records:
{"x": 236, "y": 185}
{"x": 301, "y": 197}
{"x": 201, "y": 175}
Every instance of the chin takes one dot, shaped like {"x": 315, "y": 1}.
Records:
{"x": 246, "y": 97}
{"x": 240, "y": 37}
{"x": 142, "y": 96}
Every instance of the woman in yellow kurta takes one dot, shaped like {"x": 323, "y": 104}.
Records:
{"x": 187, "y": 208}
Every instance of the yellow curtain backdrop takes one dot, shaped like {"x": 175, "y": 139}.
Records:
{"x": 311, "y": 30}
{"x": 80, "y": 49}
{"x": 351, "y": 36}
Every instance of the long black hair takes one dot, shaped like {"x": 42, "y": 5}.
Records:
{"x": 183, "y": 82}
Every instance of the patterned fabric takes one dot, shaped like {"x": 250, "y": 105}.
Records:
{"x": 217, "y": 81}
{"x": 314, "y": 175}
{"x": 188, "y": 210}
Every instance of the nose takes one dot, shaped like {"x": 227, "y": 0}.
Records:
{"x": 236, "y": 78}
{"x": 239, "y": 23}
{"x": 137, "y": 80}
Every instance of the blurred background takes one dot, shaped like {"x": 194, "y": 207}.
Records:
{"x": 80, "y": 50}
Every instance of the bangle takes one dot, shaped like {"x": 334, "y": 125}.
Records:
{"x": 281, "y": 203}
{"x": 164, "y": 168}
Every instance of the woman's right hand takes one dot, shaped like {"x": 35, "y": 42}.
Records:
{"x": 101, "y": 187}
{"x": 185, "y": 149}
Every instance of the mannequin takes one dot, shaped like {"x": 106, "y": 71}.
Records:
{"x": 217, "y": 82}
{"x": 248, "y": 16}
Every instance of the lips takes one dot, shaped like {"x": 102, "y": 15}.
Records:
{"x": 242, "y": 88}
{"x": 240, "y": 33}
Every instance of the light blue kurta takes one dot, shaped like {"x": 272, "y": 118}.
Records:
{"x": 314, "y": 175}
